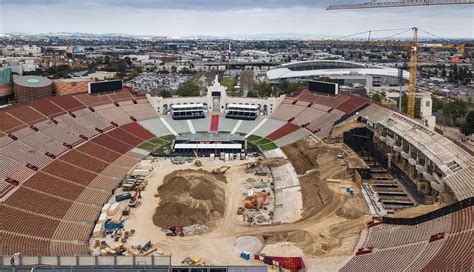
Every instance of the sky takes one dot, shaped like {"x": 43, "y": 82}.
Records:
{"x": 229, "y": 18}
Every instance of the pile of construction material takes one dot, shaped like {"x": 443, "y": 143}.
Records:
{"x": 181, "y": 160}
{"x": 258, "y": 208}
{"x": 195, "y": 229}
{"x": 259, "y": 171}
{"x": 144, "y": 250}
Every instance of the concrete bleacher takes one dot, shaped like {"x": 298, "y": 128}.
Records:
{"x": 62, "y": 135}
{"x": 288, "y": 205}
{"x": 114, "y": 114}
{"x": 201, "y": 124}
{"x": 228, "y": 125}
{"x": 23, "y": 132}
{"x": 91, "y": 119}
{"x": 178, "y": 125}
{"x": 270, "y": 126}
{"x": 24, "y": 154}
{"x": 247, "y": 126}
{"x": 140, "y": 111}
{"x": 155, "y": 126}
{"x": 77, "y": 128}
{"x": 307, "y": 116}
{"x": 4, "y": 140}
{"x": 292, "y": 137}
{"x": 44, "y": 143}
{"x": 287, "y": 111}
{"x": 288, "y": 198}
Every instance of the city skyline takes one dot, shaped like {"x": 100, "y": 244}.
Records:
{"x": 226, "y": 18}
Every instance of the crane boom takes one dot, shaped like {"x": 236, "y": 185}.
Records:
{"x": 402, "y": 3}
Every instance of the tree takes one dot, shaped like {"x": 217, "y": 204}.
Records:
{"x": 251, "y": 94}
{"x": 188, "y": 88}
{"x": 404, "y": 101}
{"x": 165, "y": 93}
{"x": 263, "y": 89}
{"x": 438, "y": 104}
{"x": 376, "y": 97}
{"x": 454, "y": 110}
{"x": 467, "y": 127}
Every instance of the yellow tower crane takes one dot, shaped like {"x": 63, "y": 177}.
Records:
{"x": 410, "y": 45}
{"x": 412, "y": 80}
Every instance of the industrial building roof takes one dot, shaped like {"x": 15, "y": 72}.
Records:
{"x": 328, "y": 68}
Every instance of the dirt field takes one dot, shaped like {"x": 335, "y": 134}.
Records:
{"x": 190, "y": 197}
{"x": 314, "y": 162}
{"x": 326, "y": 235}
{"x": 415, "y": 211}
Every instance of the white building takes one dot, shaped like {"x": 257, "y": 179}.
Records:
{"x": 216, "y": 100}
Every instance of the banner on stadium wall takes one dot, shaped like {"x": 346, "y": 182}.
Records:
{"x": 291, "y": 263}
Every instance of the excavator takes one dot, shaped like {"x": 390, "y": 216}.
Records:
{"x": 175, "y": 230}
{"x": 257, "y": 201}
{"x": 134, "y": 201}
{"x": 197, "y": 161}
{"x": 221, "y": 170}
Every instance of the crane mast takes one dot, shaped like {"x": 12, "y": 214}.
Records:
{"x": 412, "y": 81}
{"x": 403, "y": 3}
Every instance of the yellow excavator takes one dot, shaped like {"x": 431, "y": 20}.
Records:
{"x": 221, "y": 170}
{"x": 197, "y": 161}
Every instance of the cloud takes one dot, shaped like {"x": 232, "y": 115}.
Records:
{"x": 225, "y": 18}
{"x": 178, "y": 4}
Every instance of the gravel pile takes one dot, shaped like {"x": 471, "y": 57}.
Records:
{"x": 195, "y": 229}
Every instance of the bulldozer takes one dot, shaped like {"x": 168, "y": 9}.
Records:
{"x": 175, "y": 230}
{"x": 197, "y": 161}
{"x": 221, "y": 170}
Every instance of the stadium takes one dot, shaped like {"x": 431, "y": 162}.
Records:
{"x": 311, "y": 180}
{"x": 374, "y": 77}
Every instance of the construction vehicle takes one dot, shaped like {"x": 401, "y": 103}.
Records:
{"x": 197, "y": 161}
{"x": 109, "y": 225}
{"x": 123, "y": 197}
{"x": 175, "y": 230}
{"x": 189, "y": 261}
{"x": 134, "y": 201}
{"x": 257, "y": 201}
{"x": 221, "y": 170}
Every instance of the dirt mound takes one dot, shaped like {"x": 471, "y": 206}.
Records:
{"x": 315, "y": 192}
{"x": 273, "y": 162}
{"x": 307, "y": 154}
{"x": 311, "y": 244}
{"x": 189, "y": 197}
{"x": 416, "y": 211}
{"x": 352, "y": 208}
